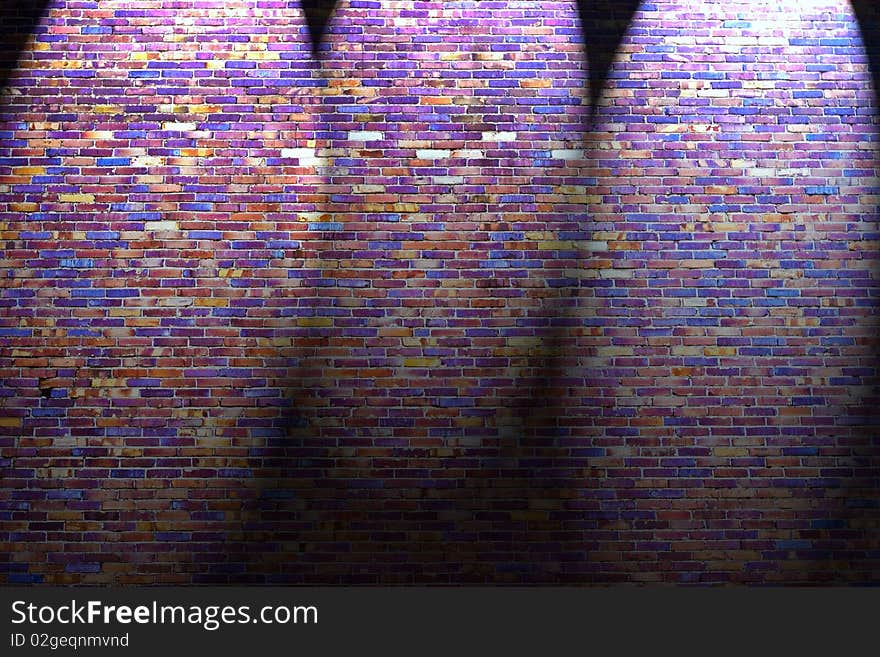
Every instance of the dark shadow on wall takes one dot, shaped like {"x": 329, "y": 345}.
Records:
{"x": 317, "y": 13}
{"x": 551, "y": 375}
{"x": 545, "y": 457}
{"x": 18, "y": 21}
{"x": 308, "y": 502}
{"x": 868, "y": 14}
{"x": 858, "y": 492}
{"x": 339, "y": 504}
{"x": 337, "y": 501}
{"x": 604, "y": 24}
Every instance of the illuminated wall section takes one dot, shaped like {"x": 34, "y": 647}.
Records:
{"x": 412, "y": 308}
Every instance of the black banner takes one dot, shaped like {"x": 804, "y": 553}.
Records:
{"x": 416, "y": 621}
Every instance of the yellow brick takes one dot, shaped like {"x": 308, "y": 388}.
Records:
{"x": 10, "y": 421}
{"x": 731, "y": 451}
{"x": 405, "y": 207}
{"x": 28, "y": 171}
{"x": 230, "y": 273}
{"x": 67, "y": 63}
{"x": 421, "y": 362}
{"x": 24, "y": 207}
{"x": 76, "y": 198}
{"x": 314, "y": 321}
{"x": 720, "y": 351}
{"x": 212, "y": 302}
{"x": 554, "y": 245}
{"x": 204, "y": 109}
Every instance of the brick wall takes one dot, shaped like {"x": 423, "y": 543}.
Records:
{"x": 415, "y": 311}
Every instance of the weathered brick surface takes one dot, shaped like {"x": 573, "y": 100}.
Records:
{"x": 409, "y": 312}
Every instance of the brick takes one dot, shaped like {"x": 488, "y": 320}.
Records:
{"x": 306, "y": 156}
{"x": 76, "y": 198}
{"x": 432, "y": 153}
{"x": 161, "y": 225}
{"x": 499, "y": 136}
{"x": 179, "y": 126}
{"x": 365, "y": 135}
{"x": 421, "y": 362}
